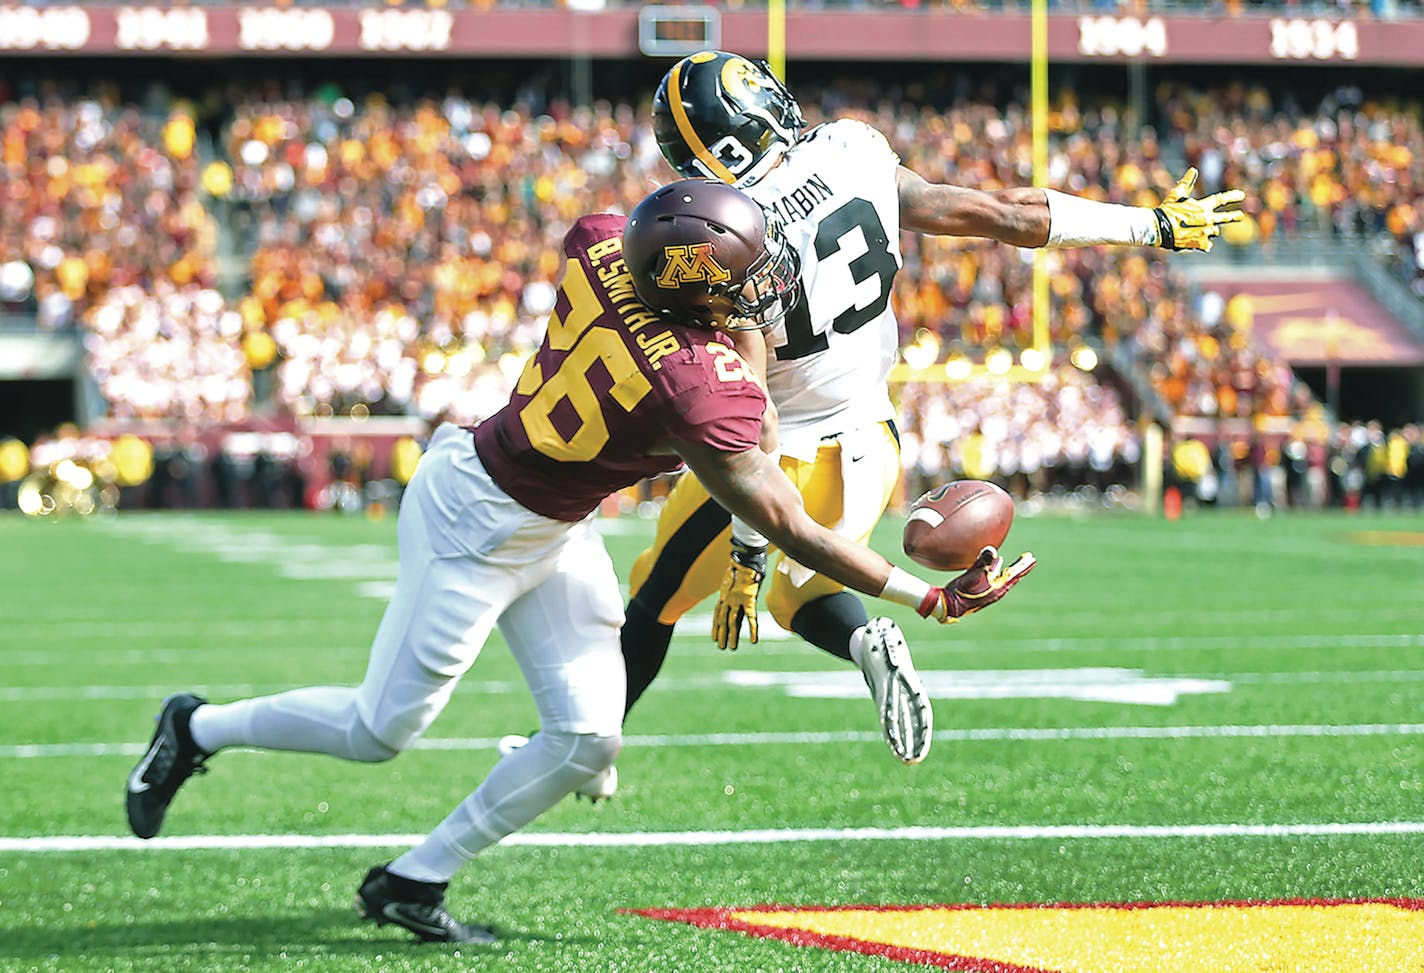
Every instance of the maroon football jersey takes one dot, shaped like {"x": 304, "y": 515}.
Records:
{"x": 610, "y": 380}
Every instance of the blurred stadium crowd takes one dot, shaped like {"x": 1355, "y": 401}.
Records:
{"x": 1375, "y": 8}
{"x": 333, "y": 255}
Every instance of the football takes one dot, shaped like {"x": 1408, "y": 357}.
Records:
{"x": 951, "y": 524}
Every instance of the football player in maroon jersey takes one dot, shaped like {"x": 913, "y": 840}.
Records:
{"x": 632, "y": 379}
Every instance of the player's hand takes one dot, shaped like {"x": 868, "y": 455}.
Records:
{"x": 738, "y": 598}
{"x": 982, "y": 585}
{"x": 1184, "y": 223}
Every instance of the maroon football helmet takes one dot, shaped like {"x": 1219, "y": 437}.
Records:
{"x": 703, "y": 253}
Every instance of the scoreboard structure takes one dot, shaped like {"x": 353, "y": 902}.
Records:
{"x": 227, "y": 30}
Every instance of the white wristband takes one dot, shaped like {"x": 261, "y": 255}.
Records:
{"x": 745, "y": 534}
{"x": 1077, "y": 222}
{"x": 903, "y": 588}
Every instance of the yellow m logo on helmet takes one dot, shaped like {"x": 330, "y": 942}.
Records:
{"x": 689, "y": 262}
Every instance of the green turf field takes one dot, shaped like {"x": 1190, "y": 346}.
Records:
{"x": 1221, "y": 710}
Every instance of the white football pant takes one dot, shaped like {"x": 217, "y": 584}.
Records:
{"x": 470, "y": 558}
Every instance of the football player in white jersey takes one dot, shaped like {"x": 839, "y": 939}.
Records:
{"x": 842, "y": 199}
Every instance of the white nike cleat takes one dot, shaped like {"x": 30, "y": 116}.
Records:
{"x": 905, "y": 713}
{"x": 600, "y": 787}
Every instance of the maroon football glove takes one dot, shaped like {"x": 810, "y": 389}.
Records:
{"x": 982, "y": 585}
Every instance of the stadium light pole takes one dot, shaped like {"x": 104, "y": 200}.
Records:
{"x": 1038, "y": 108}
{"x": 1042, "y": 344}
{"x": 776, "y": 37}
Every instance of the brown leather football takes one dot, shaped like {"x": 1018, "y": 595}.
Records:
{"x": 951, "y": 524}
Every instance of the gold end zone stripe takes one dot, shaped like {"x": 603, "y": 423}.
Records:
{"x": 689, "y": 134}
{"x": 1363, "y": 935}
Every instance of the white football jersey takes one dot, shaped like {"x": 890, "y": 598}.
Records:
{"x": 835, "y": 196}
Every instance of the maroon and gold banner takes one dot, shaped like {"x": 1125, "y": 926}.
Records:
{"x": 866, "y": 35}
{"x": 1316, "y": 322}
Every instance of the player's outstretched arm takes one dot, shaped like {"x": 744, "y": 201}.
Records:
{"x": 752, "y": 487}
{"x": 1028, "y": 217}
{"x": 1016, "y": 216}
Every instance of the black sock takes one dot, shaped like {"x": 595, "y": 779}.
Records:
{"x": 828, "y": 623}
{"x": 414, "y": 890}
{"x": 645, "y": 643}
{"x": 183, "y": 726}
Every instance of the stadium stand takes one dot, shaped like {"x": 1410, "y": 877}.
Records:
{"x": 397, "y": 256}
{"x": 1234, "y": 8}
{"x": 98, "y": 194}
{"x": 1346, "y": 166}
{"x": 1065, "y": 432}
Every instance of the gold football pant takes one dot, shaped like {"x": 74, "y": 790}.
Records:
{"x": 693, "y": 543}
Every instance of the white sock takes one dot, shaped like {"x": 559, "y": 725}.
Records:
{"x": 521, "y": 787}
{"x": 857, "y": 640}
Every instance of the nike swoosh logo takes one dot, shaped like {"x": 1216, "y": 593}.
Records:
{"x": 392, "y": 911}
{"x": 137, "y": 785}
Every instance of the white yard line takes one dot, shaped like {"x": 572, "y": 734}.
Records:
{"x": 691, "y": 631}
{"x": 666, "y": 839}
{"x": 372, "y": 567}
{"x": 1181, "y": 643}
{"x": 46, "y": 694}
{"x": 145, "y": 658}
{"x": 206, "y": 627}
{"x": 692, "y": 684}
{"x": 131, "y": 630}
{"x": 985, "y": 735}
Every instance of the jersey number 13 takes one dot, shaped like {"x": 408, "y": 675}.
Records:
{"x": 877, "y": 262}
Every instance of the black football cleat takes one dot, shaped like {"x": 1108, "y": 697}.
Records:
{"x": 416, "y": 906}
{"x": 171, "y": 759}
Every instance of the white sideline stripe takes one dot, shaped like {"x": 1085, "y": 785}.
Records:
{"x": 665, "y": 839}
{"x": 988, "y": 734}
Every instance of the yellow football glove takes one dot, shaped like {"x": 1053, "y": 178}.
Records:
{"x": 738, "y": 598}
{"x": 1184, "y": 223}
